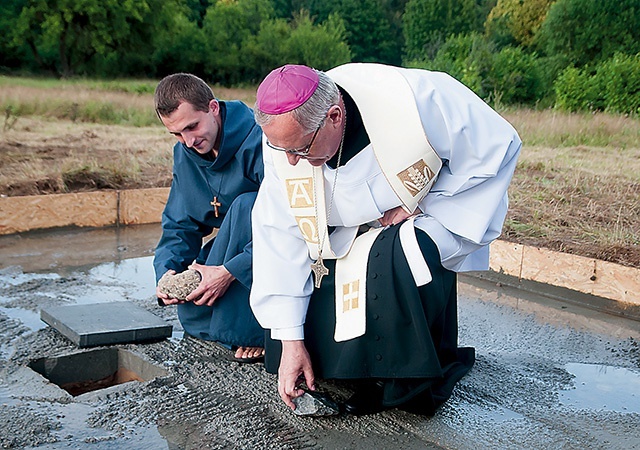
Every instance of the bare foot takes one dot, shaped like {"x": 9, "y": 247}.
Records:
{"x": 249, "y": 352}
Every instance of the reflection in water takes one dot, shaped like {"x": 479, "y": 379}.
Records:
{"x": 23, "y": 294}
{"x": 28, "y": 318}
{"x": 136, "y": 274}
{"x": 603, "y": 388}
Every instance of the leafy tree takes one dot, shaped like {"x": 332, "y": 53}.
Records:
{"x": 373, "y": 27}
{"x": 428, "y": 23}
{"x": 227, "y": 26}
{"x": 75, "y": 31}
{"x": 299, "y": 41}
{"x": 266, "y": 50}
{"x": 11, "y": 55}
{"x": 369, "y": 31}
{"x": 588, "y": 31}
{"x": 318, "y": 10}
{"x": 181, "y": 49}
{"x": 394, "y": 13}
{"x": 197, "y": 10}
{"x": 517, "y": 21}
{"x": 323, "y": 46}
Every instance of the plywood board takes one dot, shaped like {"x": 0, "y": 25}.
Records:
{"x": 142, "y": 205}
{"x": 558, "y": 269}
{"x": 83, "y": 209}
{"x": 506, "y": 258}
{"x": 617, "y": 282}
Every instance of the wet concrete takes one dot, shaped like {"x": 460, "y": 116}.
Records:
{"x": 549, "y": 374}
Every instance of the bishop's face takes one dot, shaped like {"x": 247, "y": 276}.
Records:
{"x": 198, "y": 130}
{"x": 285, "y": 134}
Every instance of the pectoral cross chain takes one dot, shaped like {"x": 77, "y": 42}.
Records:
{"x": 215, "y": 203}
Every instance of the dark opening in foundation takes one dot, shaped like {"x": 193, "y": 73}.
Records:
{"x": 79, "y": 373}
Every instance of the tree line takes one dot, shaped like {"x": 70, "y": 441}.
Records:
{"x": 572, "y": 54}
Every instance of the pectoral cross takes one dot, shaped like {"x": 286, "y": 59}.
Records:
{"x": 319, "y": 270}
{"x": 215, "y": 203}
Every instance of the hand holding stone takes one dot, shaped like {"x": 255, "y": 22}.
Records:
{"x": 179, "y": 285}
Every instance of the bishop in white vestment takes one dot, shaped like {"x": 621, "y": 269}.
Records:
{"x": 386, "y": 182}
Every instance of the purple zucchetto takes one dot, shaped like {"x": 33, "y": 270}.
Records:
{"x": 286, "y": 88}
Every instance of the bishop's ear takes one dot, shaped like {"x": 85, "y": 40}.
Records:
{"x": 336, "y": 114}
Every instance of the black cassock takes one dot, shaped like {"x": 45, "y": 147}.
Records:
{"x": 411, "y": 338}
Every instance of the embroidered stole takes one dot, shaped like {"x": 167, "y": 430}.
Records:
{"x": 302, "y": 195}
{"x": 392, "y": 121}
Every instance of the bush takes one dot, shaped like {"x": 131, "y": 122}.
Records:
{"x": 510, "y": 76}
{"x": 575, "y": 91}
{"x": 619, "y": 79}
{"x": 516, "y": 76}
{"x": 614, "y": 86}
{"x": 465, "y": 57}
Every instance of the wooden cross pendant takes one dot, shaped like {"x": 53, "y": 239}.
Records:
{"x": 215, "y": 203}
{"x": 319, "y": 270}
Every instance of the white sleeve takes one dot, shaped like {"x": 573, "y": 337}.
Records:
{"x": 479, "y": 149}
{"x": 282, "y": 283}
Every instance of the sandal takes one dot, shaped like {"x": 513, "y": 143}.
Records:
{"x": 251, "y": 360}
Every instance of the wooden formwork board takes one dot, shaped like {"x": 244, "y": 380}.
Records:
{"x": 142, "y": 205}
{"x": 82, "y": 209}
{"x": 586, "y": 275}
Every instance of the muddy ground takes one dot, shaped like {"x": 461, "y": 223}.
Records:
{"x": 548, "y": 375}
{"x": 39, "y": 157}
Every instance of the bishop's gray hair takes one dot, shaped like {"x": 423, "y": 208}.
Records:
{"x": 312, "y": 112}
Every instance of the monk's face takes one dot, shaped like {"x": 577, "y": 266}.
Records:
{"x": 198, "y": 130}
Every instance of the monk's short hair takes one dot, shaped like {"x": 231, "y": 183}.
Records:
{"x": 179, "y": 88}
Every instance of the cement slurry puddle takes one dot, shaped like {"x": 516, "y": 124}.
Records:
{"x": 604, "y": 388}
{"x": 548, "y": 374}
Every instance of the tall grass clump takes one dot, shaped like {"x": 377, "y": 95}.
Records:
{"x": 92, "y": 174}
{"x": 553, "y": 128}
{"x": 119, "y": 102}
{"x": 93, "y": 102}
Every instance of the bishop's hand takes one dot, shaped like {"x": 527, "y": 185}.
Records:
{"x": 395, "y": 216}
{"x": 295, "y": 365}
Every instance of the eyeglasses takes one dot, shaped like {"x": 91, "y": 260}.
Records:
{"x": 303, "y": 151}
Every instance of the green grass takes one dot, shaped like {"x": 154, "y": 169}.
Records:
{"x": 115, "y": 102}
{"x": 131, "y": 86}
{"x": 550, "y": 128}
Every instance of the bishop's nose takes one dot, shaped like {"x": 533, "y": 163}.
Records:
{"x": 293, "y": 159}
